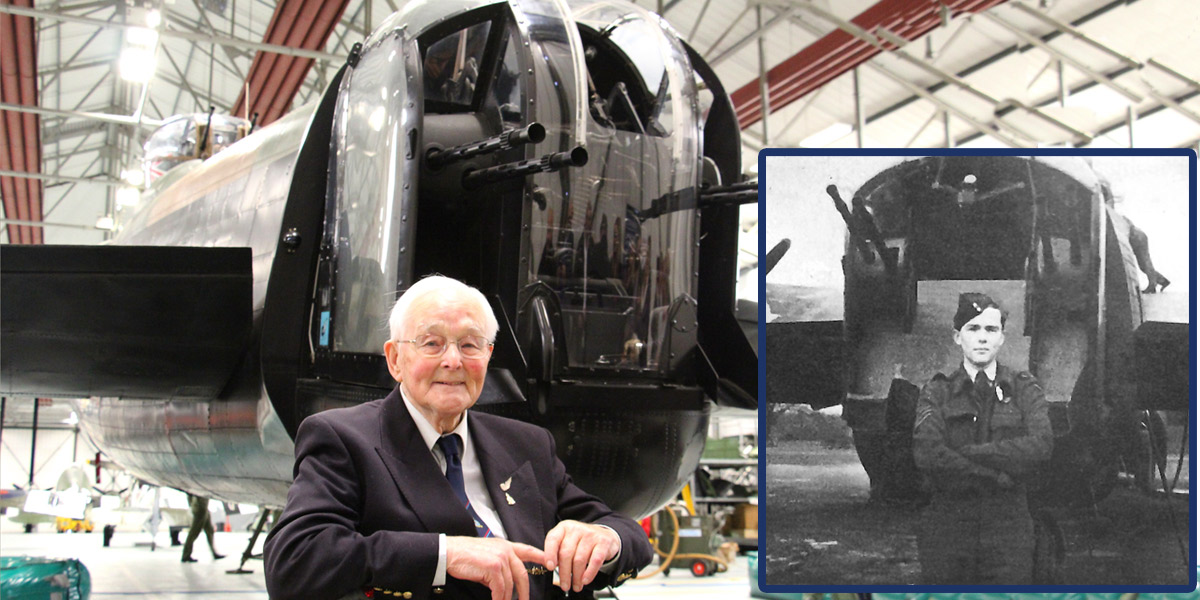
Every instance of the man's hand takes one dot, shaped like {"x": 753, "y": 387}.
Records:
{"x": 578, "y": 550}
{"x": 493, "y": 562}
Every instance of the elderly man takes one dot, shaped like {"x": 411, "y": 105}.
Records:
{"x": 415, "y": 496}
{"x": 979, "y": 432}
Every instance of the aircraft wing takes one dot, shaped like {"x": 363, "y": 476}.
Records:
{"x": 122, "y": 321}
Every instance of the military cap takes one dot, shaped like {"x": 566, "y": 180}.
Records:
{"x": 971, "y": 305}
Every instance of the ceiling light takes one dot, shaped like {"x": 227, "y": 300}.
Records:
{"x": 134, "y": 177}
{"x": 105, "y": 223}
{"x": 140, "y": 36}
{"x": 137, "y": 64}
{"x": 128, "y": 196}
{"x": 153, "y": 19}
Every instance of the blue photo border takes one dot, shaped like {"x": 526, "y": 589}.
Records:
{"x": 763, "y": 550}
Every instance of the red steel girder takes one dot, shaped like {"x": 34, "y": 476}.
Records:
{"x": 839, "y": 52}
{"x": 20, "y": 133}
{"x": 274, "y": 79}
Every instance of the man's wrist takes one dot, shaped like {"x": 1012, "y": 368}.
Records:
{"x": 610, "y": 565}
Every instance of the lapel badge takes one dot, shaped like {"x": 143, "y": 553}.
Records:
{"x": 1000, "y": 395}
{"x": 504, "y": 486}
{"x": 509, "y": 499}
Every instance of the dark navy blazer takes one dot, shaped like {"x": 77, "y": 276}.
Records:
{"x": 369, "y": 500}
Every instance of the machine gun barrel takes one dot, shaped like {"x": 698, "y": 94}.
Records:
{"x": 734, "y": 187}
{"x": 549, "y": 163}
{"x": 203, "y": 145}
{"x": 871, "y": 231}
{"x": 776, "y": 253}
{"x": 709, "y": 198}
{"x": 851, "y": 224}
{"x": 530, "y": 134}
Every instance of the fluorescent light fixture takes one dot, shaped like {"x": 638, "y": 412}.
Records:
{"x": 128, "y": 196}
{"x": 105, "y": 223}
{"x": 134, "y": 177}
{"x": 140, "y": 36}
{"x": 137, "y": 64}
{"x": 827, "y": 136}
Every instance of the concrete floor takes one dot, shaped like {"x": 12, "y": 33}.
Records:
{"x": 130, "y": 569}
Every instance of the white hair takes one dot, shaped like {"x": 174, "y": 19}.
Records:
{"x": 447, "y": 289}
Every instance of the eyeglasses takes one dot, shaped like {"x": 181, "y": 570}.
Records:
{"x": 469, "y": 346}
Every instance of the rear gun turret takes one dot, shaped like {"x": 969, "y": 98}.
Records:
{"x": 862, "y": 227}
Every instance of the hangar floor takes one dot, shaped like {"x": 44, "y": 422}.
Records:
{"x": 129, "y": 569}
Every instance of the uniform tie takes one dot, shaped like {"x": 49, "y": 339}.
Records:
{"x": 983, "y": 388}
{"x": 984, "y": 402}
{"x": 454, "y": 474}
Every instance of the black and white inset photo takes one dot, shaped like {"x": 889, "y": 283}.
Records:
{"x": 977, "y": 369}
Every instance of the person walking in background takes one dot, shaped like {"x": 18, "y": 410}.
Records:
{"x": 201, "y": 521}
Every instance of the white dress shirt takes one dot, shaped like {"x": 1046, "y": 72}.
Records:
{"x": 473, "y": 481}
{"x": 472, "y": 478}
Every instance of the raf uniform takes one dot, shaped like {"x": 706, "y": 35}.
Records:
{"x": 369, "y": 500}
{"x": 977, "y": 440}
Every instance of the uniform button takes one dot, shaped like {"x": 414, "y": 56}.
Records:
{"x": 438, "y": 590}
{"x": 408, "y": 595}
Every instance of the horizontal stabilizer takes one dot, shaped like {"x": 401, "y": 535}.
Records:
{"x": 122, "y": 321}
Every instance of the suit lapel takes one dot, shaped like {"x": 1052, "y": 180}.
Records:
{"x": 510, "y": 484}
{"x": 416, "y": 474}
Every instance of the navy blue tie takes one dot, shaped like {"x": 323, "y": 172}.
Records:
{"x": 454, "y": 474}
